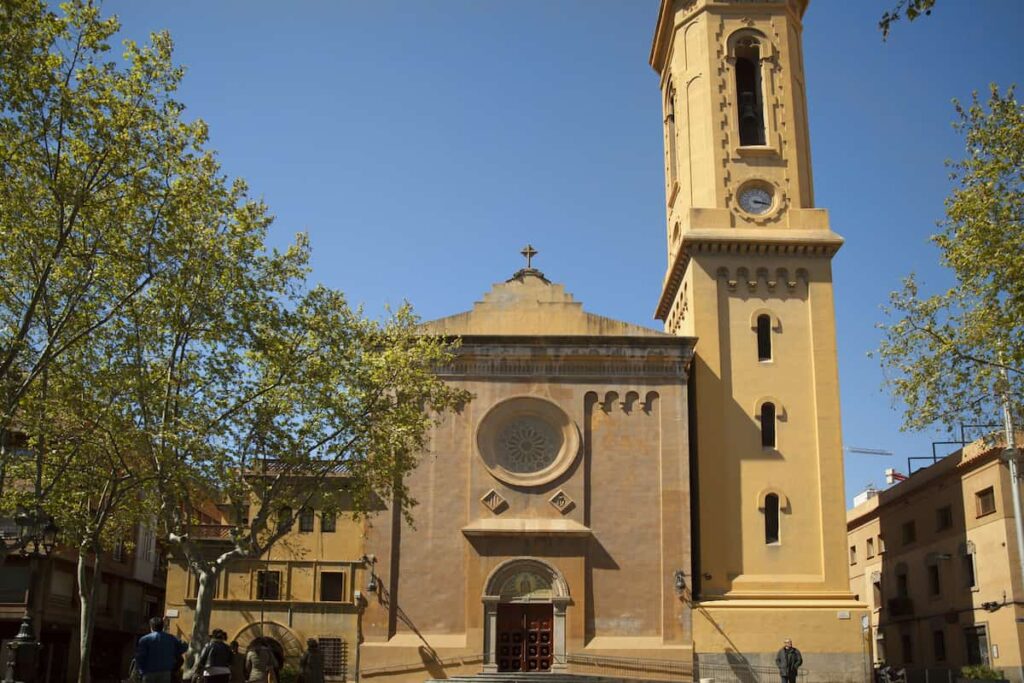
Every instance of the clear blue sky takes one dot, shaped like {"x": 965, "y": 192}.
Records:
{"x": 422, "y": 144}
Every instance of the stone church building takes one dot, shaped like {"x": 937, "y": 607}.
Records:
{"x": 657, "y": 504}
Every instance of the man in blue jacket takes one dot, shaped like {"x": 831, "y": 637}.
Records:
{"x": 157, "y": 653}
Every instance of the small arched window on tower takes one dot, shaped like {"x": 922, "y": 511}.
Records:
{"x": 768, "y": 424}
{"x": 670, "y": 131}
{"x": 749, "y": 91}
{"x": 764, "y": 337}
{"x": 771, "y": 518}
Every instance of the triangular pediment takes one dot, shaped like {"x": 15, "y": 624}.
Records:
{"x": 530, "y": 305}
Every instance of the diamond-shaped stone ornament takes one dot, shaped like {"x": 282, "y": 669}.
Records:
{"x": 562, "y": 502}
{"x": 494, "y": 501}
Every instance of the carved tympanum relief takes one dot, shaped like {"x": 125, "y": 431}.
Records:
{"x": 526, "y": 585}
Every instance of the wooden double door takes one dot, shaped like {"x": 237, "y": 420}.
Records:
{"x": 525, "y": 637}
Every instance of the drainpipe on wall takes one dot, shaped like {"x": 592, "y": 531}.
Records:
{"x": 1011, "y": 454}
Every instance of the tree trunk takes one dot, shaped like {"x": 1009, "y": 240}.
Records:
{"x": 87, "y": 592}
{"x": 207, "y": 578}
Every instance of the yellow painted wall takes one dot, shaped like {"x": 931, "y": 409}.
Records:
{"x": 953, "y": 482}
{"x": 299, "y": 614}
{"x": 726, "y": 267}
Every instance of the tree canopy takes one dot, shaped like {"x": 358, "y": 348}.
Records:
{"x": 951, "y": 356}
{"x": 160, "y": 357}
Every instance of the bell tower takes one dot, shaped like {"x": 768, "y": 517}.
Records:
{"x": 749, "y": 275}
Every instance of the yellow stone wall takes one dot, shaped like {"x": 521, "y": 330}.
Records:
{"x": 299, "y": 614}
{"x": 726, "y": 267}
{"x": 616, "y": 546}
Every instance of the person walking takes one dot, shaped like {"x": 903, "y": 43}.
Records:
{"x": 311, "y": 666}
{"x": 157, "y": 653}
{"x": 259, "y": 662}
{"x": 215, "y": 660}
{"x": 237, "y": 664}
{"x": 788, "y": 661}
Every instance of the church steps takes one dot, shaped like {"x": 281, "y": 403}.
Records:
{"x": 528, "y": 677}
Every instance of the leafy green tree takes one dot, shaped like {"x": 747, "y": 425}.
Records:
{"x": 253, "y": 391}
{"x": 150, "y": 344}
{"x": 90, "y": 157}
{"x": 954, "y": 355}
{"x": 912, "y": 9}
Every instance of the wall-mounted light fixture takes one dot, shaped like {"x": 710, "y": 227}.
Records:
{"x": 680, "y": 581}
{"x": 370, "y": 561}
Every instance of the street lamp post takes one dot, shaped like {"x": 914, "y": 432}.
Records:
{"x": 36, "y": 537}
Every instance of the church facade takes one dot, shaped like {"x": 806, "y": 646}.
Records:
{"x": 554, "y": 513}
{"x": 619, "y": 497}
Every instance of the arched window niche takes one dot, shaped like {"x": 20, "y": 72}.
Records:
{"x": 772, "y": 503}
{"x": 768, "y": 416}
{"x": 671, "y": 151}
{"x": 749, "y": 91}
{"x": 764, "y": 337}
{"x": 748, "y": 51}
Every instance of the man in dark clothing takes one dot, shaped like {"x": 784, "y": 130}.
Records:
{"x": 788, "y": 661}
{"x": 157, "y": 653}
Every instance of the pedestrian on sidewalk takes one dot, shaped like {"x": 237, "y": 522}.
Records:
{"x": 157, "y": 653}
{"x": 237, "y": 664}
{"x": 788, "y": 661}
{"x": 260, "y": 662}
{"x": 311, "y": 665}
{"x": 215, "y": 660}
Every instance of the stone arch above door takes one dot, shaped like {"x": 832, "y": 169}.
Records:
{"x": 526, "y": 579}
{"x": 291, "y": 646}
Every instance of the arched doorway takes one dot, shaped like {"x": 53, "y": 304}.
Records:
{"x": 282, "y": 642}
{"x": 524, "y": 617}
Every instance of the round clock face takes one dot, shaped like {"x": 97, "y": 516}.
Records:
{"x": 756, "y": 200}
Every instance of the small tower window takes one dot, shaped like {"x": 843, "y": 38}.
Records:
{"x": 764, "y": 337}
{"x": 771, "y": 518}
{"x": 670, "y": 130}
{"x": 749, "y": 92}
{"x": 768, "y": 425}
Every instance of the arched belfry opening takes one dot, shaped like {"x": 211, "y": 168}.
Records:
{"x": 524, "y": 617}
{"x": 749, "y": 91}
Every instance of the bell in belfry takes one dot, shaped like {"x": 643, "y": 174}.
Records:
{"x": 748, "y": 114}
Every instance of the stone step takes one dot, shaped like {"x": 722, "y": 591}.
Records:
{"x": 535, "y": 677}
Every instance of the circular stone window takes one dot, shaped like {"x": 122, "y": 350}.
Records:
{"x": 527, "y": 441}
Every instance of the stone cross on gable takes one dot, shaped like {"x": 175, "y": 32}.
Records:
{"x": 528, "y": 253}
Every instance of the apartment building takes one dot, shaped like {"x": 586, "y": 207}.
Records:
{"x": 935, "y": 558}
{"x": 131, "y": 591}
{"x": 307, "y": 586}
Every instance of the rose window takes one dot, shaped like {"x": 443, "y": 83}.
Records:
{"x": 527, "y": 441}
{"x": 529, "y": 444}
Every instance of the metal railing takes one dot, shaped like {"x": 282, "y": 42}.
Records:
{"x": 738, "y": 672}
{"x": 421, "y": 664}
{"x": 210, "y": 532}
{"x": 626, "y": 667}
